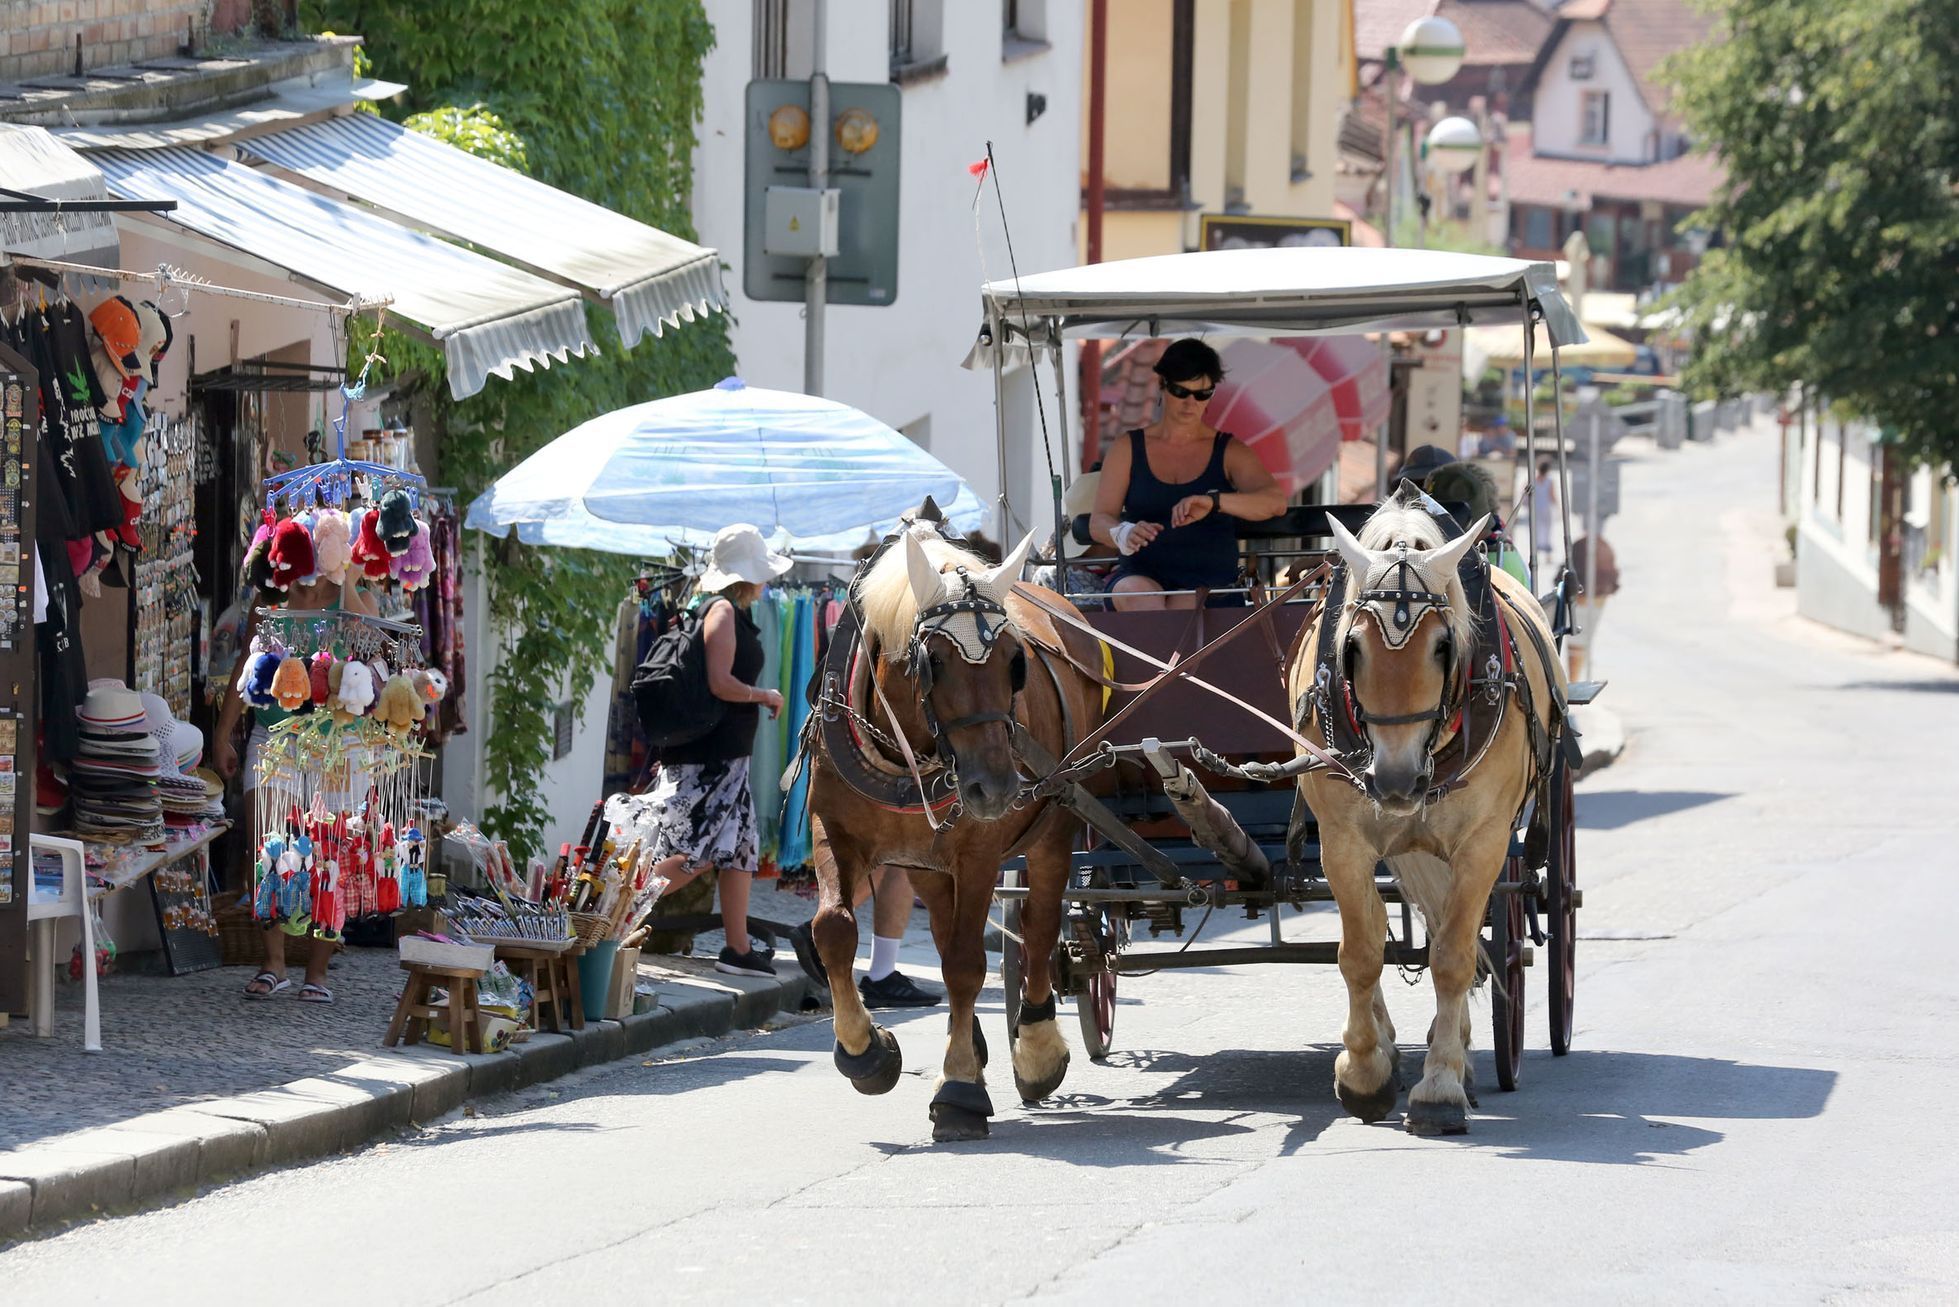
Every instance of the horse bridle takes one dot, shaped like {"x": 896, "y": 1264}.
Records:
{"x": 1412, "y": 600}
{"x": 989, "y": 622}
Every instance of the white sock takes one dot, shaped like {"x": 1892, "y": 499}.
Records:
{"x": 884, "y": 956}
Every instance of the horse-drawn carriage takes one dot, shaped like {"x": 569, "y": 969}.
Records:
{"x": 1389, "y": 728}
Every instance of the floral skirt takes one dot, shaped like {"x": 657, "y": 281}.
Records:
{"x": 705, "y": 813}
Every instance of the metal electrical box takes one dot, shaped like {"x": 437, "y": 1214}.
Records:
{"x": 800, "y": 222}
{"x": 864, "y": 131}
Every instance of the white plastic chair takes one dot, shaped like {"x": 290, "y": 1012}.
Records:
{"x": 43, "y": 911}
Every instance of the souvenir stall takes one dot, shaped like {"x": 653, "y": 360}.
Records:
{"x": 658, "y": 480}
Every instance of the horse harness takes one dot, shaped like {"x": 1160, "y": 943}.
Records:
{"x": 1477, "y": 685}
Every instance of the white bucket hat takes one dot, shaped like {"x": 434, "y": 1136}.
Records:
{"x": 740, "y": 554}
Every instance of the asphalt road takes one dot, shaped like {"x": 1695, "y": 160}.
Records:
{"x": 1754, "y": 1111}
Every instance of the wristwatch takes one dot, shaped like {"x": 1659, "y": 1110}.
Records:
{"x": 1217, "y": 504}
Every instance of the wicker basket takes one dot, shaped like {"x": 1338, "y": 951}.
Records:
{"x": 590, "y": 927}
{"x": 241, "y": 938}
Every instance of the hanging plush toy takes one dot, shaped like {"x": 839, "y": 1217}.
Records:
{"x": 291, "y": 686}
{"x": 258, "y": 561}
{"x": 397, "y": 523}
{"x": 416, "y": 565}
{"x": 259, "y": 675}
{"x": 414, "y": 874}
{"x": 114, "y": 347}
{"x": 154, "y": 337}
{"x": 431, "y": 684}
{"x": 369, "y": 553}
{"x": 356, "y": 693}
{"x": 124, "y": 439}
{"x": 333, "y": 545}
{"x": 399, "y": 706}
{"x": 291, "y": 554}
{"x": 265, "y": 896}
{"x": 321, "y": 670}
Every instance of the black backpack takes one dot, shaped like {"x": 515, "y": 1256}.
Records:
{"x": 670, "y": 688}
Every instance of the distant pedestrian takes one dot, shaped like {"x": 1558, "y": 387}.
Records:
{"x": 1589, "y": 606}
{"x": 1543, "y": 522}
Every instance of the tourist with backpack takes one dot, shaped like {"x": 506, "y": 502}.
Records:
{"x": 697, "y": 700}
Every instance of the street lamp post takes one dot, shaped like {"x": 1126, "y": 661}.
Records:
{"x": 1430, "y": 52}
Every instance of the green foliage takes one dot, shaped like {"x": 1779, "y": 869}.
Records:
{"x": 599, "y": 98}
{"x": 1837, "y": 124}
{"x": 475, "y": 130}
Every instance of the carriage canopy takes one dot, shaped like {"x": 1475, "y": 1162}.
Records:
{"x": 1297, "y": 291}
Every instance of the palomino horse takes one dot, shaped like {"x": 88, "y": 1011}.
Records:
{"x": 915, "y": 749}
{"x": 1410, "y": 682}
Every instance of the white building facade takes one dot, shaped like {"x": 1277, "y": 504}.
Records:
{"x": 967, "y": 78}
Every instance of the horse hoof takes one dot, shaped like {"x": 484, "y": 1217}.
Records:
{"x": 1033, "y": 1091}
{"x": 959, "y": 1112}
{"x": 877, "y": 1068}
{"x": 1431, "y": 1119}
{"x": 1369, "y": 1107}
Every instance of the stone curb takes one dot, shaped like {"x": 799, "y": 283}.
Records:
{"x": 172, "y": 1152}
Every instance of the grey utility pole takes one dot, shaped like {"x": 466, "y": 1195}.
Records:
{"x": 816, "y": 285}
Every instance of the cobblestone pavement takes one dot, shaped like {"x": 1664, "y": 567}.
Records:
{"x": 172, "y": 1040}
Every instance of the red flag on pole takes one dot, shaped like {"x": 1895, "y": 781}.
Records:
{"x": 977, "y": 169}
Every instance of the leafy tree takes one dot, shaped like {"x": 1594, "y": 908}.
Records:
{"x": 1838, "y": 122}
{"x": 599, "y": 98}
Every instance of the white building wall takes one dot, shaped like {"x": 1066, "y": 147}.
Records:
{"x": 1557, "y": 117}
{"x": 901, "y": 362}
{"x": 1836, "y": 559}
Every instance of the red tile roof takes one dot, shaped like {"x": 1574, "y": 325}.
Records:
{"x": 1493, "y": 31}
{"x": 1689, "y": 180}
{"x": 1497, "y": 31}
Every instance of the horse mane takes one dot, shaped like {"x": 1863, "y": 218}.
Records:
{"x": 1402, "y": 517}
{"x": 889, "y": 610}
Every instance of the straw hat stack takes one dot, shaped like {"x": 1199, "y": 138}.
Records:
{"x": 187, "y": 799}
{"x": 113, "y": 780}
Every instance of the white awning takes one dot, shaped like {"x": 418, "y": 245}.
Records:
{"x": 293, "y": 101}
{"x": 489, "y": 318}
{"x": 648, "y": 278}
{"x": 35, "y": 163}
{"x": 1291, "y": 291}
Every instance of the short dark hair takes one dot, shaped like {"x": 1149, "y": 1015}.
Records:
{"x": 1187, "y": 358}
{"x": 1544, "y": 464}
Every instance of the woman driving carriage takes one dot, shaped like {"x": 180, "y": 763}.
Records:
{"x": 1172, "y": 494}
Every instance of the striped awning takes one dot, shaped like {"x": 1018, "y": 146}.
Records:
{"x": 35, "y": 163}
{"x": 649, "y": 279}
{"x": 489, "y": 318}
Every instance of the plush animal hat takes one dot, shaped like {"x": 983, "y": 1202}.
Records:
{"x": 369, "y": 552}
{"x": 416, "y": 564}
{"x": 397, "y": 524}
{"x": 291, "y": 554}
{"x": 333, "y": 544}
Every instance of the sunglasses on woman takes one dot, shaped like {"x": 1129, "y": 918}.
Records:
{"x": 1185, "y": 392}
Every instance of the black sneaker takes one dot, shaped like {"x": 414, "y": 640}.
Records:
{"x": 743, "y": 964}
{"x": 896, "y": 990}
{"x": 803, "y": 939}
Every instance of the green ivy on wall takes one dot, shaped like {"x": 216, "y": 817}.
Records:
{"x": 599, "y": 98}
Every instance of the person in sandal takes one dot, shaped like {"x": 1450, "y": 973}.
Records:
{"x": 885, "y": 986}
{"x": 704, "y": 810}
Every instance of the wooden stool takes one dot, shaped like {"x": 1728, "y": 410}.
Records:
{"x": 415, "y": 1013}
{"x": 553, "y": 979}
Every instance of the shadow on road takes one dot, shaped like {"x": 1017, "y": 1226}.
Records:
{"x": 1942, "y": 686}
{"x": 1614, "y": 809}
{"x": 1615, "y": 1108}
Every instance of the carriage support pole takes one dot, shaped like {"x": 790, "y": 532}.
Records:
{"x": 1211, "y": 823}
{"x": 1061, "y": 478}
{"x": 1004, "y": 530}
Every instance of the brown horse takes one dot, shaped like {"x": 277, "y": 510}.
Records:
{"x": 1406, "y": 666}
{"x": 916, "y": 758}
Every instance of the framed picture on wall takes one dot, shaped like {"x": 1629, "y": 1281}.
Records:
{"x": 1239, "y": 231}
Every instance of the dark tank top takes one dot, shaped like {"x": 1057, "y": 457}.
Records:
{"x": 734, "y": 735}
{"x": 1203, "y": 555}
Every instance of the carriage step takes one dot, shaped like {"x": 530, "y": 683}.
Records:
{"x": 1580, "y": 693}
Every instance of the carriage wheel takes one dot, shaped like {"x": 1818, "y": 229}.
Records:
{"x": 1096, "y": 1003}
{"x": 1506, "y": 956}
{"x": 1561, "y": 884}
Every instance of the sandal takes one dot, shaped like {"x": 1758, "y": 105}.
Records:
{"x": 311, "y": 993}
{"x": 273, "y": 984}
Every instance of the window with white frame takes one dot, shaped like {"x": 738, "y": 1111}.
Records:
{"x": 1023, "y": 26}
{"x": 917, "y": 37}
{"x": 1595, "y": 118}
